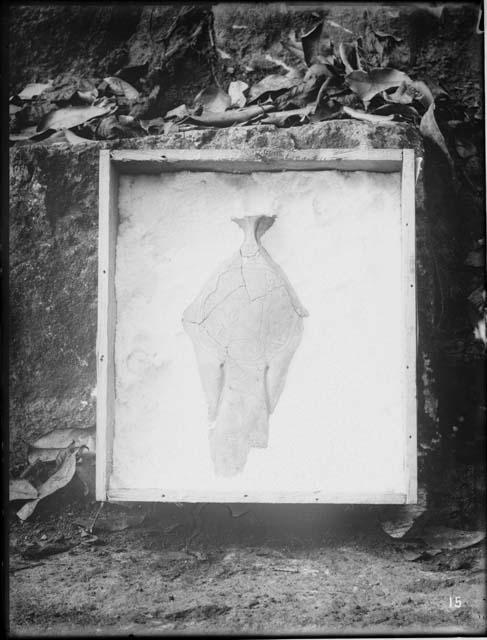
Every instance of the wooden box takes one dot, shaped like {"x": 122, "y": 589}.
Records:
{"x": 343, "y": 234}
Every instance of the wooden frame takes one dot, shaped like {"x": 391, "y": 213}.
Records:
{"x": 114, "y": 163}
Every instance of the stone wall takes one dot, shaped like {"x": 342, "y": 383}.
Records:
{"x": 53, "y": 266}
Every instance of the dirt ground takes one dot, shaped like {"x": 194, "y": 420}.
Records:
{"x": 286, "y": 569}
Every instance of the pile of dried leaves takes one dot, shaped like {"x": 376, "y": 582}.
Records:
{"x": 351, "y": 82}
{"x": 53, "y": 461}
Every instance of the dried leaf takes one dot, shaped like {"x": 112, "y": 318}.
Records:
{"x": 49, "y": 549}
{"x": 236, "y": 91}
{"x": 33, "y": 90}
{"x": 21, "y": 489}
{"x": 319, "y": 72}
{"x": 404, "y": 111}
{"x": 368, "y": 84}
{"x": 429, "y": 129}
{"x": 122, "y": 88}
{"x": 311, "y": 43}
{"x": 368, "y": 117}
{"x": 73, "y": 138}
{"x": 70, "y": 117}
{"x": 62, "y": 438}
{"x": 177, "y": 113}
{"x": 448, "y": 538}
{"x": 59, "y": 479}
{"x": 302, "y": 94}
{"x": 289, "y": 118}
{"x": 88, "y": 96}
{"x": 407, "y": 92}
{"x": 229, "y": 118}
{"x": 111, "y": 127}
{"x": 349, "y": 56}
{"x": 272, "y": 86}
{"x": 213, "y": 99}
{"x": 400, "y": 519}
{"x": 42, "y": 455}
{"x": 13, "y": 108}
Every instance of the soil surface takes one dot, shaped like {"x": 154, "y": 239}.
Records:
{"x": 323, "y": 570}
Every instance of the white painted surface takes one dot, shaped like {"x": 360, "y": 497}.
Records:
{"x": 339, "y": 424}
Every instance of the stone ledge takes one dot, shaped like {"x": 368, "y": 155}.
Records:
{"x": 332, "y": 134}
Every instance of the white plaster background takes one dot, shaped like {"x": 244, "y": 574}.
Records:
{"x": 339, "y": 425}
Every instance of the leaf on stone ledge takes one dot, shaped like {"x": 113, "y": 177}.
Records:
{"x": 122, "y": 88}
{"x": 69, "y": 117}
{"x": 311, "y": 43}
{"x": 230, "y": 118}
{"x": 401, "y": 111}
{"x": 34, "y": 89}
{"x": 408, "y": 92}
{"x": 368, "y": 84}
{"x": 21, "y": 489}
{"x": 59, "y": 479}
{"x": 88, "y": 96}
{"x": 213, "y": 99}
{"x": 289, "y": 118}
{"x": 272, "y": 86}
{"x": 176, "y": 113}
{"x": 74, "y": 138}
{"x": 369, "y": 117}
{"x": 350, "y": 57}
{"x": 236, "y": 91}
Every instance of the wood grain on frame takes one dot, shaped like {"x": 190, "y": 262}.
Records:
{"x": 169, "y": 160}
{"x": 381, "y": 160}
{"x": 408, "y": 250}
{"x": 105, "y": 356}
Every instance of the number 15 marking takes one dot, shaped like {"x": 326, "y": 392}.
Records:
{"x": 455, "y": 602}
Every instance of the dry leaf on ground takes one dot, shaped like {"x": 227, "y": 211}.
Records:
{"x": 21, "y": 489}
{"x": 447, "y": 538}
{"x": 59, "y": 479}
